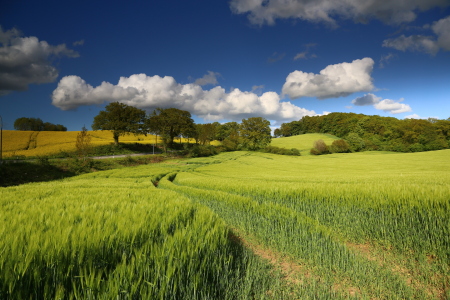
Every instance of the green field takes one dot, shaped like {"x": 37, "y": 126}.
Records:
{"x": 303, "y": 142}
{"x": 239, "y": 225}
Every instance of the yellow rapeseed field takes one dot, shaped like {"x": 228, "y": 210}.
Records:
{"x": 41, "y": 143}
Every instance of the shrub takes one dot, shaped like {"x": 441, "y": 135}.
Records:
{"x": 319, "y": 148}
{"x": 340, "y": 146}
{"x": 202, "y": 151}
{"x": 295, "y": 152}
{"x": 281, "y": 151}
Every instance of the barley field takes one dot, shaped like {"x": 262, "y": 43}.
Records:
{"x": 239, "y": 225}
{"x": 303, "y": 142}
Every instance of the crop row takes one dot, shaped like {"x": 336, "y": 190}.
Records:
{"x": 397, "y": 211}
{"x": 115, "y": 236}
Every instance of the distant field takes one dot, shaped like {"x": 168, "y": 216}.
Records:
{"x": 40, "y": 143}
{"x": 303, "y": 142}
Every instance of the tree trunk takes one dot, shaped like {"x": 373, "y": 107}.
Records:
{"x": 116, "y": 138}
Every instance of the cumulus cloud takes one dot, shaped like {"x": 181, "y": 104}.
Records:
{"x": 387, "y": 105}
{"x": 337, "y": 80}
{"x": 361, "y": 11}
{"x": 367, "y": 99}
{"x": 210, "y": 78}
{"x": 413, "y": 116}
{"x": 26, "y": 60}
{"x": 424, "y": 43}
{"x": 393, "y": 106}
{"x": 150, "y": 92}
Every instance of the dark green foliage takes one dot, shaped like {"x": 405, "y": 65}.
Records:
{"x": 169, "y": 123}
{"x": 121, "y": 119}
{"x": 255, "y": 133}
{"x": 36, "y": 124}
{"x": 202, "y": 151}
{"x": 355, "y": 141}
{"x": 319, "y": 148}
{"x": 206, "y": 133}
{"x": 224, "y": 131}
{"x": 281, "y": 151}
{"x": 340, "y": 146}
{"x": 364, "y": 132}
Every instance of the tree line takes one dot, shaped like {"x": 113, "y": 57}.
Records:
{"x": 169, "y": 123}
{"x": 36, "y": 124}
{"x": 364, "y": 132}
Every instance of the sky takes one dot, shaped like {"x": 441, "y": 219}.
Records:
{"x": 64, "y": 61}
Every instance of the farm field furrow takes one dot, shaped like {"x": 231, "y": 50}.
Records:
{"x": 396, "y": 205}
{"x": 360, "y": 226}
{"x": 113, "y": 235}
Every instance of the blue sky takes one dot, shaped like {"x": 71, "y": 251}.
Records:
{"x": 224, "y": 60}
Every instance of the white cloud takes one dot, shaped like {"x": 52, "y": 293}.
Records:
{"x": 368, "y": 99}
{"x": 210, "y": 78}
{"x": 361, "y": 11}
{"x": 418, "y": 43}
{"x": 26, "y": 60}
{"x": 334, "y": 81}
{"x": 413, "y": 116}
{"x": 150, "y": 92}
{"x": 392, "y": 106}
{"x": 387, "y": 105}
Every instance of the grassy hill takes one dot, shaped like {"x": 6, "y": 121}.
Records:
{"x": 303, "y": 142}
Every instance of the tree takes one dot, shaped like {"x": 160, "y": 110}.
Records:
{"x": 83, "y": 143}
{"x": 356, "y": 143}
{"x": 223, "y": 131}
{"x": 36, "y": 124}
{"x": 121, "y": 119}
{"x": 255, "y": 133}
{"x": 169, "y": 123}
{"x": 206, "y": 133}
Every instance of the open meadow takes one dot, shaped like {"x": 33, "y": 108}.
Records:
{"x": 239, "y": 225}
{"x": 303, "y": 142}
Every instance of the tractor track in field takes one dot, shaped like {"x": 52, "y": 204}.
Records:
{"x": 293, "y": 272}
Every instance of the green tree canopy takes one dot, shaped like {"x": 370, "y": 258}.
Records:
{"x": 255, "y": 133}
{"x": 169, "y": 123}
{"x": 122, "y": 119}
{"x": 36, "y": 124}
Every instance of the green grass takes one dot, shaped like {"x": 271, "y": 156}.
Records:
{"x": 303, "y": 142}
